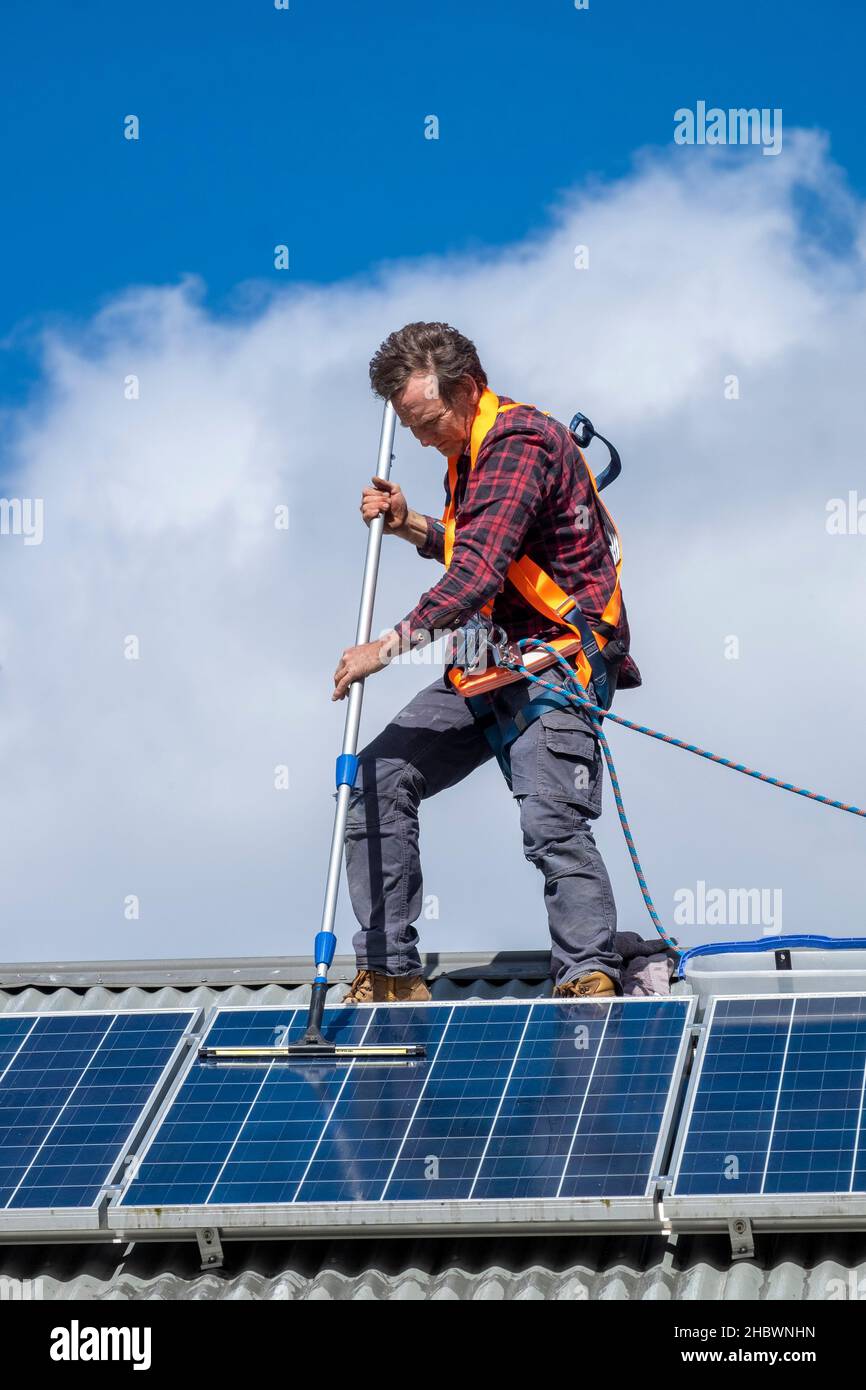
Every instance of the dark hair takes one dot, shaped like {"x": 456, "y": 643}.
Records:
{"x": 436, "y": 348}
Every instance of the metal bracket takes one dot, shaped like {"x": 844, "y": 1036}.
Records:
{"x": 209, "y": 1247}
{"x": 662, "y": 1184}
{"x": 742, "y": 1238}
{"x": 670, "y": 1252}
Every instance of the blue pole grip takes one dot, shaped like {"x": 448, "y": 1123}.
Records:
{"x": 347, "y": 770}
{"x": 326, "y": 945}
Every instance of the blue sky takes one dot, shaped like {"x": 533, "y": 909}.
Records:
{"x": 155, "y": 778}
{"x": 306, "y": 127}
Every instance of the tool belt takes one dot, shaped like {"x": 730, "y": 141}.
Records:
{"x": 483, "y": 660}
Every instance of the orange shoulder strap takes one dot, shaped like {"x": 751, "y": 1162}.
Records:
{"x": 486, "y": 413}
{"x": 530, "y": 580}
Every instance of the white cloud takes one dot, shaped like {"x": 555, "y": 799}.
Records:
{"x": 155, "y": 777}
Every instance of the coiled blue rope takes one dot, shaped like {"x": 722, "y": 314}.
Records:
{"x": 574, "y": 691}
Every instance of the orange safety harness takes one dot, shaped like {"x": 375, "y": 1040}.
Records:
{"x": 584, "y": 643}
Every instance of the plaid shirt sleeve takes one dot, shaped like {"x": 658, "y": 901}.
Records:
{"x": 501, "y": 499}
{"x": 433, "y": 547}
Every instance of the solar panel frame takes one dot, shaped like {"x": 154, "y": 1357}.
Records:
{"x": 19, "y": 1221}
{"x": 773, "y": 1210}
{"x": 770, "y": 1212}
{"x": 345, "y": 1216}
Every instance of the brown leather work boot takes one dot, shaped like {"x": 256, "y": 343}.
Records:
{"x": 595, "y": 984}
{"x": 371, "y": 987}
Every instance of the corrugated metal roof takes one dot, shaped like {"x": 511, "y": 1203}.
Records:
{"x": 221, "y": 970}
{"x": 32, "y": 1000}
{"x": 795, "y": 1267}
{"x": 248, "y": 983}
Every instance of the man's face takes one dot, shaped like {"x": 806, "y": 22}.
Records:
{"x": 433, "y": 423}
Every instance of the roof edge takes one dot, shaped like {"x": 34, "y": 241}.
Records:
{"x": 257, "y": 970}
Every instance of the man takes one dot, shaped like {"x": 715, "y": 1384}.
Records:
{"x": 521, "y": 489}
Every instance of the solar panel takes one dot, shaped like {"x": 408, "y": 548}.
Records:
{"x": 513, "y": 1100}
{"x": 776, "y": 1105}
{"x": 13, "y": 1030}
{"x": 72, "y": 1089}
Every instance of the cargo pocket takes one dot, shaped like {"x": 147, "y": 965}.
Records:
{"x": 569, "y": 761}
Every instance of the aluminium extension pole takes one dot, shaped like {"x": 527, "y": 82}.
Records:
{"x": 347, "y": 763}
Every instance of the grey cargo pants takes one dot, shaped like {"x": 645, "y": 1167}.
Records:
{"x": 433, "y": 743}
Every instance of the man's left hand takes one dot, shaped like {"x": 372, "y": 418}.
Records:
{"x": 358, "y": 662}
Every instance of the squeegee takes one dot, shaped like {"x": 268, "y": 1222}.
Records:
{"x": 313, "y": 1046}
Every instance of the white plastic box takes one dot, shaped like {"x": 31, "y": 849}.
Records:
{"x": 777, "y": 965}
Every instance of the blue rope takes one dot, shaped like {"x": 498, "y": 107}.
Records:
{"x": 574, "y": 692}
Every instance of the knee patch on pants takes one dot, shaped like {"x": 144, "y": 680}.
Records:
{"x": 384, "y": 789}
{"x": 557, "y": 838}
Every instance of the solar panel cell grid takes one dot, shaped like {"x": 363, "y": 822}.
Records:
{"x": 512, "y": 1101}
{"x": 72, "y": 1087}
{"x": 778, "y": 1102}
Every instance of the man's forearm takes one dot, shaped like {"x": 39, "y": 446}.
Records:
{"x": 414, "y": 529}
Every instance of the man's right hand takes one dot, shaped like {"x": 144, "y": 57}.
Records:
{"x": 385, "y": 498}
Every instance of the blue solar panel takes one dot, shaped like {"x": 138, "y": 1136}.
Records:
{"x": 512, "y": 1100}
{"x": 13, "y": 1031}
{"x": 777, "y": 1104}
{"x": 72, "y": 1088}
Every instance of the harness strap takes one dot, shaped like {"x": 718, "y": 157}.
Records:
{"x": 534, "y": 585}
{"x": 500, "y": 740}
{"x": 481, "y": 709}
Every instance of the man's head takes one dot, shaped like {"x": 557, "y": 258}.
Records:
{"x": 432, "y": 376}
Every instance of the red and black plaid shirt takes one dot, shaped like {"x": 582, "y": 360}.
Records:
{"x": 528, "y": 493}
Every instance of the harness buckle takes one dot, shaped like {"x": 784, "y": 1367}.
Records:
{"x": 478, "y": 644}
